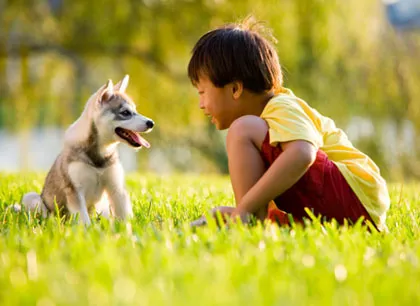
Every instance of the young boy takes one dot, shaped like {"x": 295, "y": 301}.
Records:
{"x": 279, "y": 148}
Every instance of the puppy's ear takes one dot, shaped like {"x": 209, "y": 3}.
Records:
{"x": 121, "y": 86}
{"x": 107, "y": 93}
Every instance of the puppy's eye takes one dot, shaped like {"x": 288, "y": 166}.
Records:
{"x": 126, "y": 113}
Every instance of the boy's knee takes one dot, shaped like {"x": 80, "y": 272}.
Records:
{"x": 247, "y": 128}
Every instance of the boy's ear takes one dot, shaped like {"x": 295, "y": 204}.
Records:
{"x": 237, "y": 89}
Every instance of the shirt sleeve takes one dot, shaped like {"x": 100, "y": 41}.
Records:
{"x": 288, "y": 121}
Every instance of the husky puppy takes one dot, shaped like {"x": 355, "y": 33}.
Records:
{"x": 87, "y": 174}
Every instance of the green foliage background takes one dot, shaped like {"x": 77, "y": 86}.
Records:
{"x": 342, "y": 57}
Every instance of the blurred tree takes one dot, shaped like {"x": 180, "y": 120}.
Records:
{"x": 343, "y": 57}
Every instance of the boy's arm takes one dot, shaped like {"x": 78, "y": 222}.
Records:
{"x": 287, "y": 169}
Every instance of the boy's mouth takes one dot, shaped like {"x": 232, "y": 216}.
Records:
{"x": 132, "y": 138}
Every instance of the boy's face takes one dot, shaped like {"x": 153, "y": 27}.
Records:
{"x": 217, "y": 103}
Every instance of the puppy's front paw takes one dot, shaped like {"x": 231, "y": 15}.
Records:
{"x": 15, "y": 207}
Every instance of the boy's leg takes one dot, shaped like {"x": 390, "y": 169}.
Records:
{"x": 246, "y": 166}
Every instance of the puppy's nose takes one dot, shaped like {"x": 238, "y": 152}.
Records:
{"x": 150, "y": 124}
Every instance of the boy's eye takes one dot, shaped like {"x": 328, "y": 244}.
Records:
{"x": 200, "y": 92}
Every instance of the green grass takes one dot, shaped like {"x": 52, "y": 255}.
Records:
{"x": 157, "y": 259}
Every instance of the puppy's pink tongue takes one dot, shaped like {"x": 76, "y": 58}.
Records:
{"x": 141, "y": 140}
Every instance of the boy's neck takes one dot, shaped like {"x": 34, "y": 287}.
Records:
{"x": 254, "y": 104}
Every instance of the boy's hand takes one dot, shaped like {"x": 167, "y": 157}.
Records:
{"x": 228, "y": 214}
{"x": 244, "y": 216}
{"x": 225, "y": 212}
{"x": 199, "y": 222}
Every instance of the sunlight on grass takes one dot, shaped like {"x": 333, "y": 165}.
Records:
{"x": 156, "y": 259}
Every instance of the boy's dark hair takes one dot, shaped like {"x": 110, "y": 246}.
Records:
{"x": 237, "y": 52}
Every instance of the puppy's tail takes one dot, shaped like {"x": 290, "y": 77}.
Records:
{"x": 32, "y": 202}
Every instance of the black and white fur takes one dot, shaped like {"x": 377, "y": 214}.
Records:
{"x": 87, "y": 174}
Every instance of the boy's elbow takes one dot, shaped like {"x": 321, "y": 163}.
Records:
{"x": 306, "y": 153}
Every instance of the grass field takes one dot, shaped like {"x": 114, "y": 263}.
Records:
{"x": 157, "y": 259}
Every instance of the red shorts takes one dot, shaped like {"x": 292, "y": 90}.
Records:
{"x": 322, "y": 189}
